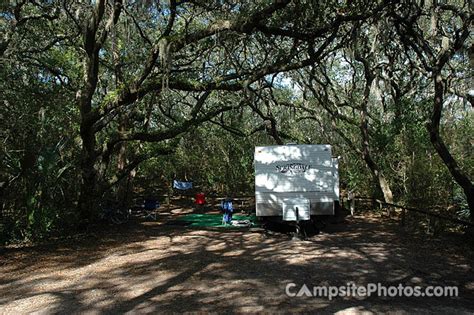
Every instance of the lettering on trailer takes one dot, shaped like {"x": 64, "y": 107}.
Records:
{"x": 293, "y": 168}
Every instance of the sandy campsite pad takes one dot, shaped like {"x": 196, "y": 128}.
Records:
{"x": 150, "y": 267}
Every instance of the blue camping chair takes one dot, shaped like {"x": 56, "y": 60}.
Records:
{"x": 228, "y": 209}
{"x": 150, "y": 208}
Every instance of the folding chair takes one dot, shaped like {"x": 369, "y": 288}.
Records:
{"x": 150, "y": 208}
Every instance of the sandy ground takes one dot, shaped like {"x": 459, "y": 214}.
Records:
{"x": 149, "y": 267}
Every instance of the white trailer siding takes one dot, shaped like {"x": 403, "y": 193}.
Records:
{"x": 292, "y": 172}
{"x": 335, "y": 172}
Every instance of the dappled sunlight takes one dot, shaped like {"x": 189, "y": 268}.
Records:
{"x": 31, "y": 304}
{"x": 356, "y": 310}
{"x": 182, "y": 211}
{"x": 181, "y": 269}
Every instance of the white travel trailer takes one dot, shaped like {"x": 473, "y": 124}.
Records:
{"x": 295, "y": 182}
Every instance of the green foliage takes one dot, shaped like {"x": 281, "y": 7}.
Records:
{"x": 38, "y": 156}
{"x": 214, "y": 160}
{"x": 69, "y": 113}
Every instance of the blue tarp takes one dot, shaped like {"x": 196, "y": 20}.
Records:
{"x": 182, "y": 185}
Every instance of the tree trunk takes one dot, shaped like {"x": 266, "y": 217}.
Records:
{"x": 88, "y": 199}
{"x": 381, "y": 181}
{"x": 88, "y": 195}
{"x": 385, "y": 187}
{"x": 125, "y": 186}
{"x": 433, "y": 128}
{"x": 379, "y": 178}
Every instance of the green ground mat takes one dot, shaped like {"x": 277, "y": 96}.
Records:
{"x": 212, "y": 220}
